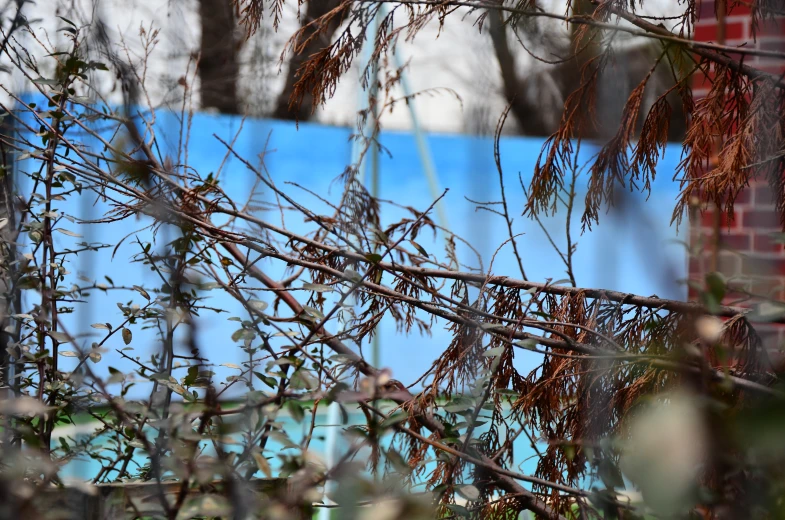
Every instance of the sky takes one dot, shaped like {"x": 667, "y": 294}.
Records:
{"x": 637, "y": 251}
{"x": 453, "y": 66}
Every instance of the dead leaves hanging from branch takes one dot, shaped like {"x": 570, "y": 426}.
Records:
{"x": 744, "y": 106}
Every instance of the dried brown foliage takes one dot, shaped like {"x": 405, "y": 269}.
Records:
{"x": 600, "y": 354}
{"x": 731, "y": 111}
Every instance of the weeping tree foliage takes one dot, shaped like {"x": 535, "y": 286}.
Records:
{"x": 677, "y": 400}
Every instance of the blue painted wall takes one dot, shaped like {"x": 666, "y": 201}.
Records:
{"x": 636, "y": 250}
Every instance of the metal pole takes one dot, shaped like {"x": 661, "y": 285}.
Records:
{"x": 334, "y": 415}
{"x": 422, "y": 143}
{"x": 433, "y": 184}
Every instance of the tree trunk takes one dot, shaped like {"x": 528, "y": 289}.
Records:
{"x": 218, "y": 64}
{"x": 303, "y": 112}
{"x": 614, "y": 83}
{"x": 530, "y": 117}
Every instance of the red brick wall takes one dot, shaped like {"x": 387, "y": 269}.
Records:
{"x": 747, "y": 255}
{"x": 770, "y": 35}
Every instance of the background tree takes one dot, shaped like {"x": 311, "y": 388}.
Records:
{"x": 218, "y": 57}
{"x": 536, "y": 96}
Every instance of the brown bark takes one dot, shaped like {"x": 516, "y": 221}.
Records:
{"x": 530, "y": 118}
{"x": 615, "y": 83}
{"x": 218, "y": 63}
{"x": 315, "y": 10}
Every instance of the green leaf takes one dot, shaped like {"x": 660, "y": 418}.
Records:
{"x": 127, "y": 336}
{"x": 269, "y": 381}
{"x": 469, "y": 492}
{"x": 419, "y": 248}
{"x": 193, "y": 373}
{"x": 44, "y": 81}
{"x": 62, "y": 337}
{"x": 459, "y": 404}
{"x": 374, "y": 258}
{"x": 352, "y": 275}
{"x": 263, "y": 465}
{"x": 296, "y": 410}
{"x": 257, "y": 305}
{"x": 68, "y": 233}
{"x": 142, "y": 292}
{"x": 528, "y": 344}
{"x": 283, "y": 439}
{"x": 104, "y": 326}
{"x": 231, "y": 365}
{"x": 610, "y": 474}
{"x": 394, "y": 419}
{"x": 68, "y": 353}
{"x": 716, "y": 285}
{"x": 317, "y": 287}
{"x": 316, "y": 313}
{"x": 497, "y": 351}
{"x": 288, "y": 333}
{"x": 458, "y": 510}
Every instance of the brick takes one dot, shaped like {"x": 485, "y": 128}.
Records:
{"x": 771, "y": 45}
{"x": 736, "y": 30}
{"x": 748, "y": 231}
{"x": 740, "y": 298}
{"x": 764, "y": 195}
{"x": 736, "y": 241}
{"x": 767, "y": 287}
{"x": 763, "y": 266}
{"x": 705, "y": 9}
{"x": 771, "y": 67}
{"x": 729, "y": 264}
{"x": 764, "y": 243}
{"x": 744, "y": 196}
{"x": 733, "y": 31}
{"x": 738, "y": 8}
{"x": 761, "y": 218}
{"x": 707, "y": 220}
{"x": 702, "y": 80}
{"x": 770, "y": 338}
{"x": 705, "y": 32}
{"x": 694, "y": 266}
{"x": 771, "y": 27}
{"x": 699, "y": 92}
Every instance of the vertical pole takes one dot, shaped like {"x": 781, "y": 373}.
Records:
{"x": 374, "y": 151}
{"x": 422, "y": 145}
{"x": 334, "y": 415}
